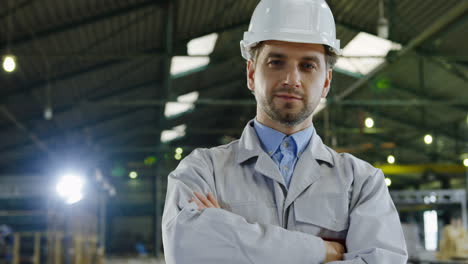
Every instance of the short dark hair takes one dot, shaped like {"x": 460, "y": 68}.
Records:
{"x": 330, "y": 56}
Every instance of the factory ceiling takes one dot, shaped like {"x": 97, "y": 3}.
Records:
{"x": 93, "y": 79}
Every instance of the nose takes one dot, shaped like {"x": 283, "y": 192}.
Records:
{"x": 292, "y": 78}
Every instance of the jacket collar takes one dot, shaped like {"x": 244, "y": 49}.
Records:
{"x": 249, "y": 146}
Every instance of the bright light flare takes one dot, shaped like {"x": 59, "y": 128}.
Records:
{"x": 133, "y": 175}
{"x": 388, "y": 182}
{"x": 369, "y": 122}
{"x": 179, "y": 150}
{"x": 9, "y": 63}
{"x": 70, "y": 188}
{"x": 465, "y": 162}
{"x": 428, "y": 139}
{"x": 391, "y": 159}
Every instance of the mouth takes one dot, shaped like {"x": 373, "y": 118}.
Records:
{"x": 288, "y": 97}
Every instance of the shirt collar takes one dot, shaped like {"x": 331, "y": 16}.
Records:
{"x": 271, "y": 138}
{"x": 249, "y": 146}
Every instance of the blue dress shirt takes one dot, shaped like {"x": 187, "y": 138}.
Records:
{"x": 283, "y": 149}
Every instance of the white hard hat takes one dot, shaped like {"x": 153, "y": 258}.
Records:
{"x": 303, "y": 21}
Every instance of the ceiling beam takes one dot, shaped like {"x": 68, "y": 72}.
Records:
{"x": 41, "y": 145}
{"x": 82, "y": 22}
{"x": 449, "y": 17}
{"x": 97, "y": 100}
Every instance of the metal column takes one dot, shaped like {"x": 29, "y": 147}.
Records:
{"x": 102, "y": 222}
{"x": 464, "y": 209}
{"x": 166, "y": 93}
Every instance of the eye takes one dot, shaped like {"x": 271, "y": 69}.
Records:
{"x": 309, "y": 66}
{"x": 276, "y": 63}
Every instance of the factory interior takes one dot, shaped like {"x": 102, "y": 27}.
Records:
{"x": 101, "y": 100}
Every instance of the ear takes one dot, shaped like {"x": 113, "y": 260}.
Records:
{"x": 326, "y": 85}
{"x": 250, "y": 75}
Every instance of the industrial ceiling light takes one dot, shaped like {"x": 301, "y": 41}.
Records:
{"x": 70, "y": 188}
{"x": 369, "y": 122}
{"x": 428, "y": 139}
{"x": 382, "y": 23}
{"x": 465, "y": 162}
{"x": 388, "y": 182}
{"x": 391, "y": 159}
{"x": 133, "y": 175}
{"x": 9, "y": 63}
{"x": 48, "y": 113}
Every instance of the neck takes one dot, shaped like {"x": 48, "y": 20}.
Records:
{"x": 288, "y": 130}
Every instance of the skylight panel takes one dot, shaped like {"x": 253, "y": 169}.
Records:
{"x": 184, "y": 103}
{"x": 173, "y": 134}
{"x": 369, "y": 52}
{"x": 184, "y": 64}
{"x": 202, "y": 45}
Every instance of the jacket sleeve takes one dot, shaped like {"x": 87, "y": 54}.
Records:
{"x": 219, "y": 236}
{"x": 375, "y": 235}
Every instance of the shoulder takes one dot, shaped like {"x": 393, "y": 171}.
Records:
{"x": 205, "y": 158}
{"x": 353, "y": 165}
{"x": 214, "y": 153}
{"x": 201, "y": 163}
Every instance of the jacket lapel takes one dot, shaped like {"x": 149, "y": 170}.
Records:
{"x": 250, "y": 147}
{"x": 306, "y": 172}
{"x": 267, "y": 167}
{"x": 308, "y": 168}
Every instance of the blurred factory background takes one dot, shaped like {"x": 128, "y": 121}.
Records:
{"x": 99, "y": 101}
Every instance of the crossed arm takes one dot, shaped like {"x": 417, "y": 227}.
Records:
{"x": 334, "y": 250}
{"x": 201, "y": 232}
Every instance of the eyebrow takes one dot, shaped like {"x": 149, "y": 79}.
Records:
{"x": 276, "y": 55}
{"x": 282, "y": 56}
{"x": 312, "y": 58}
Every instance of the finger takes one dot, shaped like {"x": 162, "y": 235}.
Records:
{"x": 204, "y": 200}
{"x": 213, "y": 200}
{"x": 200, "y": 205}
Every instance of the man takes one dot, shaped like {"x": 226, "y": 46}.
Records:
{"x": 278, "y": 194}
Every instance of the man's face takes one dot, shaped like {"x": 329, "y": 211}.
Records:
{"x": 288, "y": 80}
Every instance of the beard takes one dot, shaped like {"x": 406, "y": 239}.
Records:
{"x": 283, "y": 113}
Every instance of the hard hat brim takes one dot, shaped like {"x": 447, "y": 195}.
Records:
{"x": 251, "y": 40}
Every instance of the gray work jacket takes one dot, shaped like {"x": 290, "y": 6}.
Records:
{"x": 331, "y": 196}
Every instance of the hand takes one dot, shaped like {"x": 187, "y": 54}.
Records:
{"x": 334, "y": 251}
{"x": 204, "y": 202}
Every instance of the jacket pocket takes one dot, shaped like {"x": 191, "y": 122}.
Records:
{"x": 325, "y": 210}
